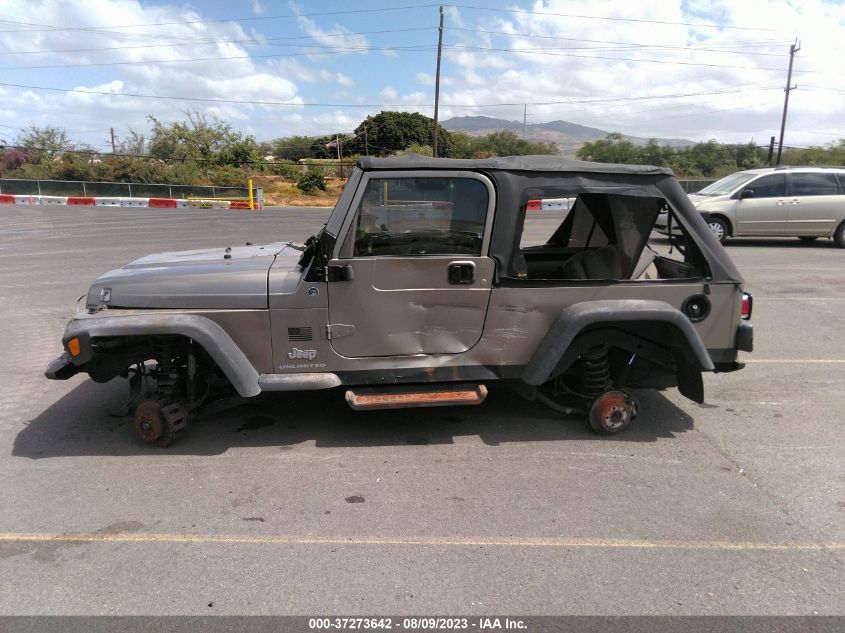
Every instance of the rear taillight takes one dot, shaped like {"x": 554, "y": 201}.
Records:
{"x": 534, "y": 205}
{"x": 747, "y": 305}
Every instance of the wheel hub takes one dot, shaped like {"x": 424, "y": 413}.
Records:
{"x": 149, "y": 423}
{"x": 717, "y": 228}
{"x": 612, "y": 412}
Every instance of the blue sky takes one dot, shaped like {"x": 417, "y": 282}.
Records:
{"x": 694, "y": 69}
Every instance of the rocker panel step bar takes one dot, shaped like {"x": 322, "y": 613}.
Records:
{"x": 371, "y": 398}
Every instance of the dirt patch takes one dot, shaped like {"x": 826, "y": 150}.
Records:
{"x": 281, "y": 192}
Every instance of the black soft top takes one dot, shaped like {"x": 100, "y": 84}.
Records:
{"x": 518, "y": 179}
{"x": 540, "y": 163}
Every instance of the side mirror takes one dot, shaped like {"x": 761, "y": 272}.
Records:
{"x": 746, "y": 193}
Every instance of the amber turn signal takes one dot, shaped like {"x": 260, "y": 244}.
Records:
{"x": 73, "y": 346}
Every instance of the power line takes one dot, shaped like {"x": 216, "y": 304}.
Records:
{"x": 274, "y": 41}
{"x": 339, "y": 51}
{"x": 613, "y": 19}
{"x": 626, "y": 44}
{"x": 537, "y": 51}
{"x": 327, "y": 50}
{"x": 218, "y": 20}
{"x": 361, "y": 105}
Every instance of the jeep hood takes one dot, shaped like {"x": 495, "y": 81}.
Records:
{"x": 226, "y": 278}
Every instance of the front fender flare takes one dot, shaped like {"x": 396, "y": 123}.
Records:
{"x": 573, "y": 319}
{"x": 210, "y": 336}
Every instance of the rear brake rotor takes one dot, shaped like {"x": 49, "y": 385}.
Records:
{"x": 611, "y": 412}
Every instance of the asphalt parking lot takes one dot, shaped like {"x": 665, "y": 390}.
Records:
{"x": 294, "y": 504}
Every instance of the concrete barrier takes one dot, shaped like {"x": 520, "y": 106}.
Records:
{"x": 210, "y": 203}
{"x": 52, "y": 199}
{"x": 106, "y": 202}
{"x": 87, "y": 201}
{"x": 162, "y": 203}
{"x": 111, "y": 201}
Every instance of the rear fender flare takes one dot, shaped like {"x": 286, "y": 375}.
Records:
{"x": 208, "y": 334}
{"x": 572, "y": 321}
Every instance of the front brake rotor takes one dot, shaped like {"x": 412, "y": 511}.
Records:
{"x": 149, "y": 423}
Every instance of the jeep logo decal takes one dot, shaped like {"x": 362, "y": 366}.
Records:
{"x": 302, "y": 354}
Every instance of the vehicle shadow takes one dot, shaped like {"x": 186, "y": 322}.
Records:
{"x": 79, "y": 424}
{"x": 774, "y": 242}
{"x": 781, "y": 242}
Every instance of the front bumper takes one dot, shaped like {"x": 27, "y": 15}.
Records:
{"x": 61, "y": 368}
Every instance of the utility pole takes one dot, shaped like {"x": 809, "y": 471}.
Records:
{"x": 437, "y": 81}
{"x": 794, "y": 48}
{"x": 111, "y": 129}
{"x": 339, "y": 159}
{"x": 524, "y": 118}
{"x": 366, "y": 143}
{"x": 771, "y": 151}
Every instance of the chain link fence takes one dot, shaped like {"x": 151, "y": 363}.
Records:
{"x": 23, "y": 187}
{"x": 691, "y": 186}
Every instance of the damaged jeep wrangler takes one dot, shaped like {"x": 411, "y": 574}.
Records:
{"x": 431, "y": 279}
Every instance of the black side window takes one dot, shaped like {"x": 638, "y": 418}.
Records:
{"x": 808, "y": 184}
{"x": 772, "y": 186}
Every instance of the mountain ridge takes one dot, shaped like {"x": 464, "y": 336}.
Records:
{"x": 567, "y": 136}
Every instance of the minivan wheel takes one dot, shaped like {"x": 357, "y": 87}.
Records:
{"x": 839, "y": 235}
{"x": 719, "y": 228}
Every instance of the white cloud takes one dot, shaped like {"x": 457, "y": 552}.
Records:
{"x": 552, "y": 59}
{"x": 257, "y": 7}
{"x": 562, "y": 66}
{"x": 139, "y": 64}
{"x": 337, "y": 38}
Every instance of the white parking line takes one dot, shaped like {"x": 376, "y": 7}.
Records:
{"x": 559, "y": 542}
{"x": 795, "y": 360}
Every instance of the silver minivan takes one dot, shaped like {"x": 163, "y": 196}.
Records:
{"x": 802, "y": 202}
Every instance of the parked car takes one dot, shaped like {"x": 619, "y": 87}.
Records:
{"x": 802, "y": 202}
{"x": 421, "y": 289}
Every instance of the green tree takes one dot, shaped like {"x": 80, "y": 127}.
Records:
{"x": 44, "y": 143}
{"x": 133, "y": 144}
{"x": 507, "y": 143}
{"x": 200, "y": 137}
{"x": 310, "y": 181}
{"x": 295, "y": 148}
{"x": 389, "y": 132}
{"x": 242, "y": 153}
{"x": 831, "y": 154}
{"x": 614, "y": 148}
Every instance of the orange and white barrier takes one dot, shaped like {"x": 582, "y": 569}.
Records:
{"x": 105, "y": 201}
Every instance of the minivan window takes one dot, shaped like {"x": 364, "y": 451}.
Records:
{"x": 726, "y": 185}
{"x": 773, "y": 186}
{"x": 810, "y": 184}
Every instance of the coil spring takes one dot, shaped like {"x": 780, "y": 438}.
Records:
{"x": 595, "y": 370}
{"x": 165, "y": 350}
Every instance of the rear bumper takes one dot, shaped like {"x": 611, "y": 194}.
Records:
{"x": 745, "y": 337}
{"x": 61, "y": 368}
